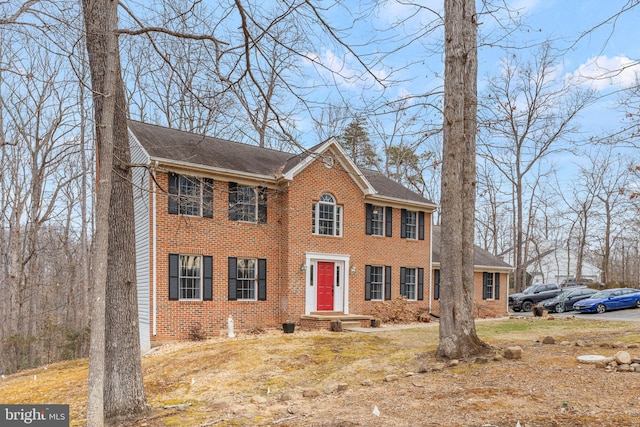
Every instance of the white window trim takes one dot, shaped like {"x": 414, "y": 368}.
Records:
{"x": 255, "y": 278}
{"x": 383, "y": 214}
{"x": 415, "y": 284}
{"x": 415, "y": 226}
{"x": 338, "y": 218}
{"x": 382, "y": 283}
{"x": 255, "y": 203}
{"x": 200, "y": 195}
{"x": 180, "y": 277}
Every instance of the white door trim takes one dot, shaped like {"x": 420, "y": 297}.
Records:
{"x": 341, "y": 298}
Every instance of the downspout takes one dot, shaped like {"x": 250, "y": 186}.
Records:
{"x": 153, "y": 250}
{"x": 431, "y": 266}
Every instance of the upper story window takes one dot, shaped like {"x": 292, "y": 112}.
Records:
{"x": 378, "y": 220}
{"x": 327, "y": 217}
{"x": 190, "y": 195}
{"x": 412, "y": 225}
{"x": 247, "y": 203}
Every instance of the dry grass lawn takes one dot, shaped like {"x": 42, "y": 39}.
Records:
{"x": 260, "y": 380}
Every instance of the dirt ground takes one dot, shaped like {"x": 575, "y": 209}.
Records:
{"x": 383, "y": 378}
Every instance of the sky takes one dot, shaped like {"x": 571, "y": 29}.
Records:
{"x": 604, "y": 60}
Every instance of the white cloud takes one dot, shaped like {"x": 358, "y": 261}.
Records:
{"x": 337, "y": 69}
{"x": 602, "y": 72}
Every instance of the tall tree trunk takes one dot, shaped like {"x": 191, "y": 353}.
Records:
{"x": 124, "y": 389}
{"x": 115, "y": 373}
{"x": 100, "y": 21}
{"x": 458, "y": 338}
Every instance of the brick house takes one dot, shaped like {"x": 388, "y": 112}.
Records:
{"x": 228, "y": 229}
{"x": 490, "y": 281}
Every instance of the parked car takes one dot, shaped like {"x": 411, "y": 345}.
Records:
{"x": 565, "y": 300}
{"x": 532, "y": 295}
{"x": 609, "y": 299}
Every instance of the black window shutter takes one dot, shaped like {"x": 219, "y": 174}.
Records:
{"x": 233, "y": 275}
{"x": 387, "y": 282}
{"x": 207, "y": 278}
{"x": 403, "y": 223}
{"x": 368, "y": 217}
{"x": 367, "y": 282}
{"x": 403, "y": 281}
{"x": 420, "y": 225}
{"x": 485, "y": 288}
{"x": 262, "y": 279}
{"x": 496, "y": 286}
{"x": 174, "y": 276}
{"x": 436, "y": 284}
{"x": 262, "y": 205}
{"x": 233, "y": 198}
{"x": 389, "y": 221}
{"x": 173, "y": 193}
{"x": 207, "y": 197}
{"x": 420, "y": 284}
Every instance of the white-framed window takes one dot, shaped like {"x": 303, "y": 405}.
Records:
{"x": 327, "y": 216}
{"x": 247, "y": 279}
{"x": 189, "y": 195}
{"x": 411, "y": 225}
{"x": 377, "y": 283}
{"x": 377, "y": 220}
{"x": 491, "y": 286}
{"x": 247, "y": 203}
{"x": 190, "y": 277}
{"x": 409, "y": 283}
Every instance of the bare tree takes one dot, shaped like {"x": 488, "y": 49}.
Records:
{"x": 115, "y": 373}
{"x": 527, "y": 113}
{"x": 458, "y": 337}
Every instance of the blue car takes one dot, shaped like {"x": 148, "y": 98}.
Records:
{"x": 609, "y": 299}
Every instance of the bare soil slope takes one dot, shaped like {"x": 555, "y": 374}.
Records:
{"x": 383, "y": 378}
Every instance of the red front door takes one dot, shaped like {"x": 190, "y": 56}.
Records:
{"x": 325, "y": 285}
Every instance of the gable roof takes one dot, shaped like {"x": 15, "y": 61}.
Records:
{"x": 481, "y": 258}
{"x": 177, "y": 148}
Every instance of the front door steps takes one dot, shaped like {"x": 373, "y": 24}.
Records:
{"x": 323, "y": 319}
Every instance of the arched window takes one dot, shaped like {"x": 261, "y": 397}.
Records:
{"x": 327, "y": 216}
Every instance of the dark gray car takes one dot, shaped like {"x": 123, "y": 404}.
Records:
{"x": 564, "y": 301}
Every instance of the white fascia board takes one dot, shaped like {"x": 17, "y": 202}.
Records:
{"x": 482, "y": 268}
{"x": 226, "y": 173}
{"x": 429, "y": 207}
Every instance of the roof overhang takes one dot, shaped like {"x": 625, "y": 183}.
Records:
{"x": 401, "y": 203}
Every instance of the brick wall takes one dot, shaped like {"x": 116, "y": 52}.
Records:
{"x": 483, "y": 308}
{"x": 283, "y": 241}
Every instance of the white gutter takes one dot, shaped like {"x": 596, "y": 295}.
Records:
{"x": 154, "y": 252}
{"x": 430, "y": 266}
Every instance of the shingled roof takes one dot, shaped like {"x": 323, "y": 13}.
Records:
{"x": 175, "y": 146}
{"x": 482, "y": 258}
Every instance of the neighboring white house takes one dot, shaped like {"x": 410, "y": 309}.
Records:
{"x": 553, "y": 265}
